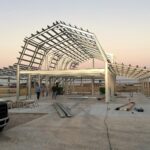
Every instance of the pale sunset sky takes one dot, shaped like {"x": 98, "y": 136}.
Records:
{"x": 122, "y": 26}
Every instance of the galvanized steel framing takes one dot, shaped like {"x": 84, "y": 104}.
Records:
{"x": 63, "y": 47}
{"x": 64, "y": 43}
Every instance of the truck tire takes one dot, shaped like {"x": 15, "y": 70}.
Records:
{"x": 1, "y": 129}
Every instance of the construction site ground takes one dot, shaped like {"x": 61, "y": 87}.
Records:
{"x": 95, "y": 125}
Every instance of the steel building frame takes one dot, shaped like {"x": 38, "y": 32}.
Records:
{"x": 66, "y": 45}
{"x": 63, "y": 47}
{"x": 129, "y": 71}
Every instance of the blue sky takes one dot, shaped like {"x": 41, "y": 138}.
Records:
{"x": 122, "y": 26}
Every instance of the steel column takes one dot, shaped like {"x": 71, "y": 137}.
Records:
{"x": 148, "y": 92}
{"x": 92, "y": 86}
{"x": 18, "y": 82}
{"x": 39, "y": 80}
{"x": 93, "y": 65}
{"x": 29, "y": 86}
{"x": 142, "y": 86}
{"x": 112, "y": 85}
{"x": 107, "y": 89}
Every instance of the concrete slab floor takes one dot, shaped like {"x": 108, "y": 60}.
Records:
{"x": 86, "y": 130}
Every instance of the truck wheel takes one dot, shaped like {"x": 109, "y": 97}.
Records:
{"x": 1, "y": 129}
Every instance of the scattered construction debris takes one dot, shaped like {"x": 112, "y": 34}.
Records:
{"x": 126, "y": 107}
{"x": 78, "y": 97}
{"x": 101, "y": 98}
{"x": 62, "y": 110}
{"x": 139, "y": 109}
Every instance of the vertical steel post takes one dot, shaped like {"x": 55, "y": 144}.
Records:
{"x": 107, "y": 91}
{"x": 93, "y": 65}
{"x": 148, "y": 86}
{"x": 39, "y": 79}
{"x": 112, "y": 86}
{"x": 46, "y": 84}
{"x": 46, "y": 81}
{"x": 50, "y": 84}
{"x": 92, "y": 86}
{"x": 73, "y": 85}
{"x": 29, "y": 86}
{"x": 114, "y": 83}
{"x": 142, "y": 86}
{"x": 18, "y": 82}
{"x": 9, "y": 86}
{"x": 66, "y": 86}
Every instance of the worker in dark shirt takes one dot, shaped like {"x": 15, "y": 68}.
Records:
{"x": 54, "y": 92}
{"x": 38, "y": 91}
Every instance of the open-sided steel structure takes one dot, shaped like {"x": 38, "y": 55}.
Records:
{"x": 61, "y": 48}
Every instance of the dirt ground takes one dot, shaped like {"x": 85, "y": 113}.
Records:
{"x": 17, "y": 119}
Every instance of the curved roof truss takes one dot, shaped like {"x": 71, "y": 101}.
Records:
{"x": 65, "y": 47}
{"x": 129, "y": 71}
{"x": 64, "y": 42}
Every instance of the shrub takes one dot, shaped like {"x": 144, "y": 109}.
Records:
{"x": 102, "y": 90}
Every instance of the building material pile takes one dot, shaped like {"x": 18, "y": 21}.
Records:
{"x": 62, "y": 110}
{"x": 126, "y": 107}
{"x": 139, "y": 109}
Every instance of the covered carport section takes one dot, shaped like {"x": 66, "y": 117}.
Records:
{"x": 142, "y": 74}
{"x": 60, "y": 75}
{"x": 63, "y": 47}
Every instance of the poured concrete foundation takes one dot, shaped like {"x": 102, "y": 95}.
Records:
{"x": 86, "y": 130}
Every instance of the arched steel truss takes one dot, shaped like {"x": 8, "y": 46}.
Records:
{"x": 63, "y": 47}
{"x": 66, "y": 45}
